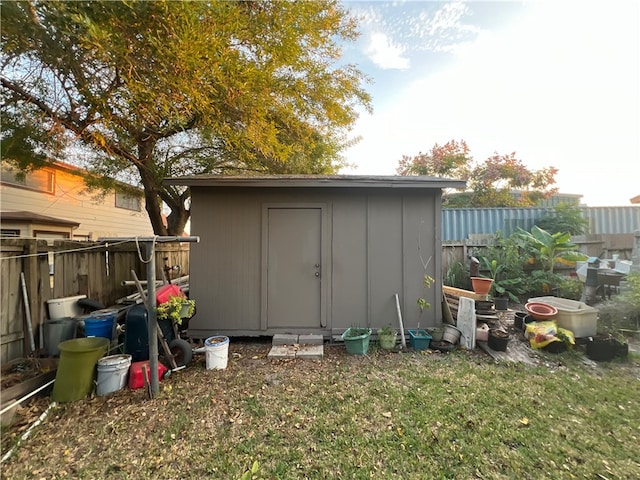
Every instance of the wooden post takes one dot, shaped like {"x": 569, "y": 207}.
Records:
{"x": 30, "y": 267}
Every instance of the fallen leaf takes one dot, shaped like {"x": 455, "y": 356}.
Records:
{"x": 524, "y": 422}
{"x": 386, "y": 414}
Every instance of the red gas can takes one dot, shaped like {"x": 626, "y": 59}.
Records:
{"x": 139, "y": 370}
{"x": 165, "y": 292}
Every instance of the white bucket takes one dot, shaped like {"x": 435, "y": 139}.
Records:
{"x": 217, "y": 352}
{"x": 60, "y": 308}
{"x": 112, "y": 373}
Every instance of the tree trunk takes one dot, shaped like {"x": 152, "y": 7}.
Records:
{"x": 151, "y": 185}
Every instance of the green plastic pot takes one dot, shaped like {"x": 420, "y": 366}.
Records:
{"x": 358, "y": 344}
{"x": 387, "y": 341}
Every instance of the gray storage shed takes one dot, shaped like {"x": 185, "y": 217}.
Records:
{"x": 313, "y": 254}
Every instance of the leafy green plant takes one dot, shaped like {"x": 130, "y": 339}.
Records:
{"x": 387, "y": 330}
{"x": 622, "y": 312}
{"x": 570, "y": 288}
{"x": 502, "y": 286}
{"x": 252, "y": 472}
{"x": 172, "y": 308}
{"x": 427, "y": 282}
{"x": 457, "y": 276}
{"x": 549, "y": 248}
{"x": 357, "y": 332}
{"x": 565, "y": 217}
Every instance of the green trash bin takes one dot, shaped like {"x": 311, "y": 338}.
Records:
{"x": 77, "y": 368}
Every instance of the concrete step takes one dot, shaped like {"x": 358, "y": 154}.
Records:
{"x": 307, "y": 347}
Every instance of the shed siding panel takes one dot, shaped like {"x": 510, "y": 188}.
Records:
{"x": 385, "y": 246}
{"x": 372, "y": 254}
{"x": 225, "y": 278}
{"x": 419, "y": 232}
{"x": 349, "y": 296}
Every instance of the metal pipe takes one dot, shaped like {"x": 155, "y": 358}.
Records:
{"x": 403, "y": 340}
{"x": 27, "y": 311}
{"x": 151, "y": 314}
{"x": 164, "y": 239}
{"x": 26, "y": 434}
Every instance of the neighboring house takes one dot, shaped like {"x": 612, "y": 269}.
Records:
{"x": 635, "y": 200}
{"x": 40, "y": 204}
{"x": 34, "y": 225}
{"x": 313, "y": 254}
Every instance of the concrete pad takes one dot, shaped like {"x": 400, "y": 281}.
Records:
{"x": 310, "y": 352}
{"x": 284, "y": 339}
{"x": 310, "y": 339}
{"x": 282, "y": 351}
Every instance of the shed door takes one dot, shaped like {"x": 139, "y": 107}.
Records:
{"x": 293, "y": 267}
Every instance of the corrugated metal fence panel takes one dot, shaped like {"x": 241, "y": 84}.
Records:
{"x": 612, "y": 219}
{"x": 459, "y": 223}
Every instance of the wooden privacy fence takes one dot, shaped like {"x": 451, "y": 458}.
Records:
{"x": 602, "y": 245}
{"x": 64, "y": 269}
{"x": 97, "y": 270}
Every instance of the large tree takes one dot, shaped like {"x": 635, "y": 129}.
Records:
{"x": 499, "y": 181}
{"x": 143, "y": 90}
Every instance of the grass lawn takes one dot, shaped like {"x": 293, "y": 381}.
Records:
{"x": 387, "y": 415}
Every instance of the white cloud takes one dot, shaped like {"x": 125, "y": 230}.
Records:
{"x": 386, "y": 54}
{"x": 560, "y": 87}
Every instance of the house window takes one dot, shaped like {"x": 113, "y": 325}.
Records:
{"x": 6, "y": 232}
{"x": 128, "y": 202}
{"x": 42, "y": 180}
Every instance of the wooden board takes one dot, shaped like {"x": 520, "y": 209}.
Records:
{"x": 459, "y": 292}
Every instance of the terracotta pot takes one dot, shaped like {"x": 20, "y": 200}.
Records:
{"x": 481, "y": 285}
{"x": 541, "y": 311}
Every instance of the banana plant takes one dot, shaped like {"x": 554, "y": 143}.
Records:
{"x": 549, "y": 248}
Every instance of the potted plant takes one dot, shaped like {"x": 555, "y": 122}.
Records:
{"x": 498, "y": 339}
{"x": 419, "y": 339}
{"x": 175, "y": 309}
{"x": 501, "y": 287}
{"x": 387, "y": 336}
{"x": 356, "y": 339}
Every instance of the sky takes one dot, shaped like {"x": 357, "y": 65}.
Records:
{"x": 556, "y": 82}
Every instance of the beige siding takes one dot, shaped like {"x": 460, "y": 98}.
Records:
{"x": 98, "y": 216}
{"x": 372, "y": 255}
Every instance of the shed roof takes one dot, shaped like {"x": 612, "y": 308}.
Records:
{"x": 297, "y": 181}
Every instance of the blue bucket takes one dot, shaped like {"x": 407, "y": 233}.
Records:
{"x": 99, "y": 325}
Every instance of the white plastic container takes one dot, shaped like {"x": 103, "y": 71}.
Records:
{"x": 216, "y": 352}
{"x": 112, "y": 373}
{"x": 572, "y": 315}
{"x": 60, "y": 308}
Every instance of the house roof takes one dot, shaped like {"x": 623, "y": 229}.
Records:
{"x": 635, "y": 199}
{"x": 331, "y": 181}
{"x": 32, "y": 217}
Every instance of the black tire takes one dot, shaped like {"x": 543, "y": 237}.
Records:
{"x": 181, "y": 351}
